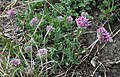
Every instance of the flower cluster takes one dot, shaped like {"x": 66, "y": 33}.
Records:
{"x": 42, "y": 52}
{"x": 103, "y": 35}
{"x": 15, "y": 62}
{"x": 10, "y": 12}
{"x": 33, "y": 21}
{"x": 83, "y": 22}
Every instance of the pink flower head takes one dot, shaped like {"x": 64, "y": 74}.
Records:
{"x": 101, "y": 30}
{"x": 10, "y": 12}
{"x": 33, "y": 21}
{"x": 103, "y": 35}
{"x": 69, "y": 19}
{"x": 15, "y": 62}
{"x": 60, "y": 18}
{"x": 49, "y": 28}
{"x": 42, "y": 52}
{"x": 83, "y": 22}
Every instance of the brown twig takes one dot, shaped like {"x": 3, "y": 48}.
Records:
{"x": 100, "y": 63}
{"x": 67, "y": 71}
{"x": 110, "y": 29}
{"x": 46, "y": 67}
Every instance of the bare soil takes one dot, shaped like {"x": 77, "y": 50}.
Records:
{"x": 109, "y": 56}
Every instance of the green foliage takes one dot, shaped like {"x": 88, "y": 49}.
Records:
{"x": 74, "y": 7}
{"x": 63, "y": 43}
{"x": 109, "y": 9}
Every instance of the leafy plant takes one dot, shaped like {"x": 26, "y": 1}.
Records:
{"x": 109, "y": 9}
{"x": 61, "y": 40}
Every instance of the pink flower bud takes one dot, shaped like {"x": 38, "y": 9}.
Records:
{"x": 33, "y": 21}
{"x": 10, "y": 12}
{"x": 69, "y": 19}
{"x": 15, "y": 62}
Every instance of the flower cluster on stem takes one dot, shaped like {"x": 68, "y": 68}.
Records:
{"x": 83, "y": 22}
{"x": 15, "y": 62}
{"x": 103, "y": 35}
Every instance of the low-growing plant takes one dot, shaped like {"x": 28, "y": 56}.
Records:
{"x": 51, "y": 32}
{"x": 109, "y": 9}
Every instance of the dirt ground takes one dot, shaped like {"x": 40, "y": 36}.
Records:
{"x": 107, "y": 59}
{"x": 110, "y": 55}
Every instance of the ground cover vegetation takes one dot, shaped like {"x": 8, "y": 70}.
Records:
{"x": 47, "y": 38}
